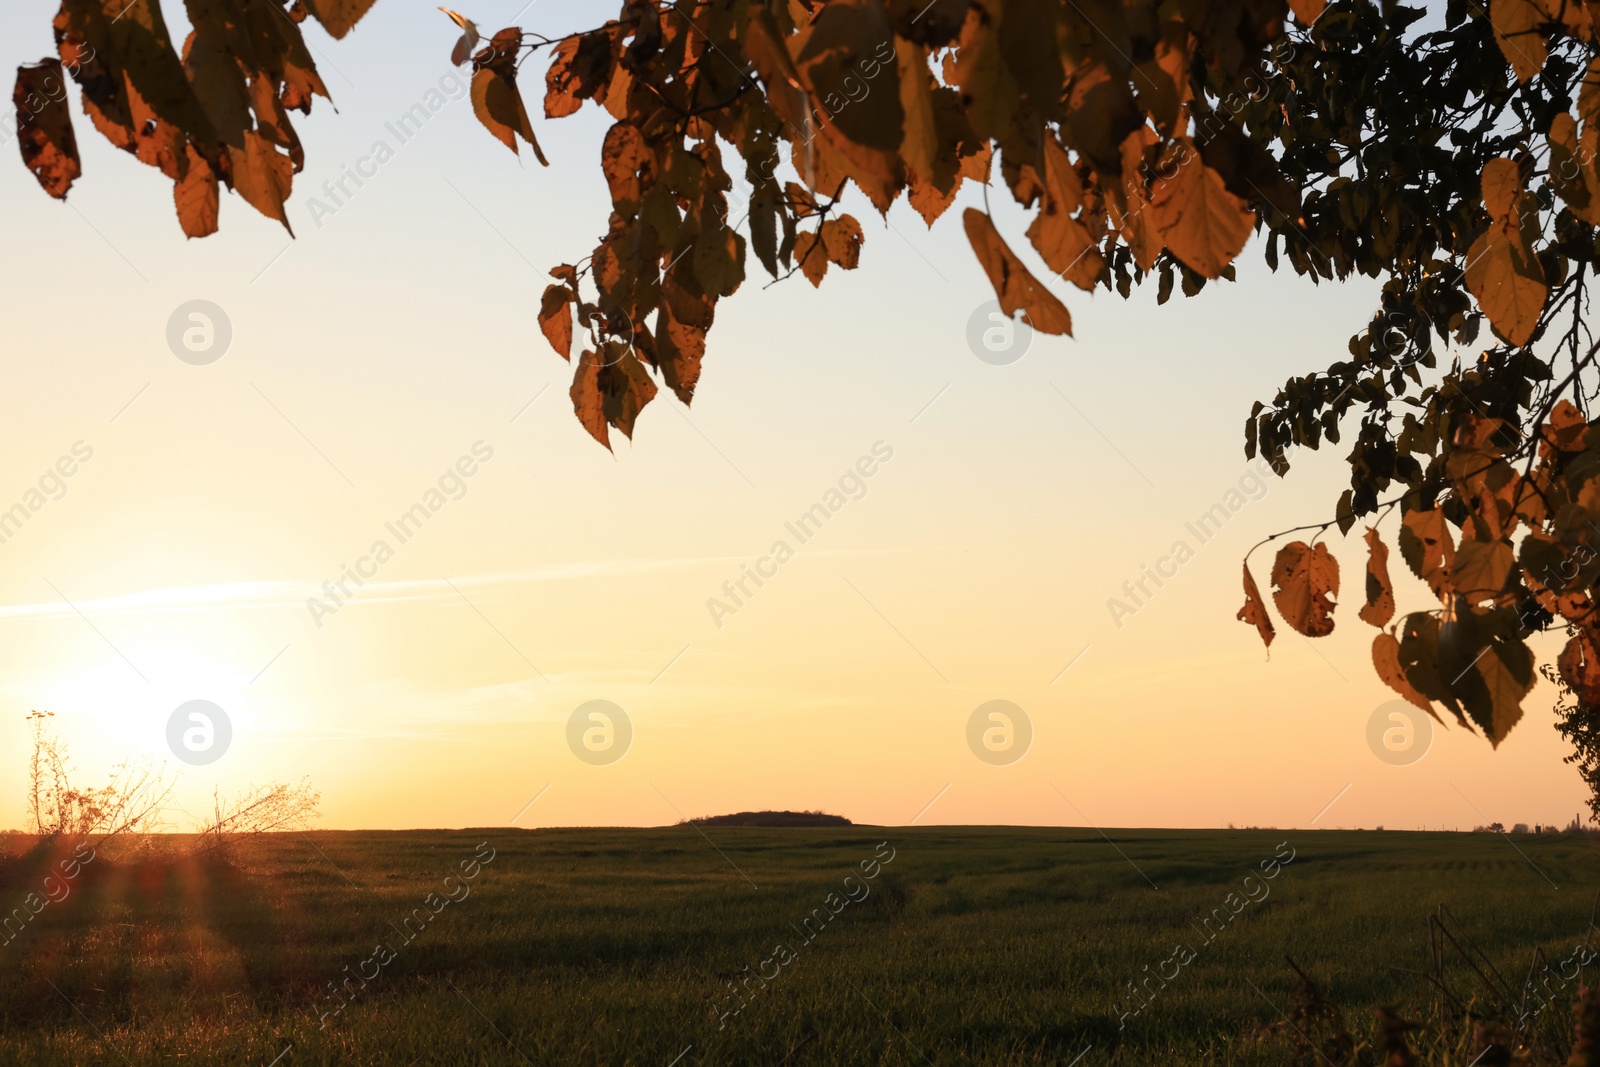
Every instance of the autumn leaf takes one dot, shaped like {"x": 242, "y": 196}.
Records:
{"x": 195, "y": 196}
{"x": 1192, "y": 211}
{"x": 587, "y": 403}
{"x": 1255, "y": 610}
{"x": 1063, "y": 242}
{"x": 338, "y": 17}
{"x": 1379, "y": 608}
{"x": 629, "y": 166}
{"x": 1480, "y": 568}
{"x": 555, "y": 319}
{"x": 920, "y": 146}
{"x": 579, "y": 66}
{"x": 1017, "y": 289}
{"x": 1501, "y": 182}
{"x": 1427, "y": 548}
{"x": 1303, "y": 577}
{"x": 1386, "y": 661}
{"x": 44, "y": 126}
{"x": 624, "y": 386}
{"x": 1420, "y": 661}
{"x": 469, "y": 37}
{"x": 263, "y": 176}
{"x": 1501, "y": 270}
{"x": 989, "y": 94}
{"x": 1572, "y": 166}
{"x": 841, "y": 237}
{"x": 499, "y": 106}
{"x": 1579, "y": 666}
{"x": 1307, "y": 11}
{"x": 1516, "y": 24}
{"x": 811, "y": 257}
{"x": 1493, "y": 689}
{"x": 1565, "y": 429}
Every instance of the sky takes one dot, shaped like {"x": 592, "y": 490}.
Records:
{"x": 392, "y": 346}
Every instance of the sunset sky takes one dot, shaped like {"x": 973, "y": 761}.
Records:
{"x": 396, "y": 335}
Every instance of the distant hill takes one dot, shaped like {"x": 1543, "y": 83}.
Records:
{"x": 772, "y": 818}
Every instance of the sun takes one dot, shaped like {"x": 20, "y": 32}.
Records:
{"x": 114, "y": 701}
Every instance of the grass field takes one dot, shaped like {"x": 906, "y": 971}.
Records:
{"x": 966, "y": 946}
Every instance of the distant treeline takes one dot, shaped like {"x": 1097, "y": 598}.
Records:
{"x": 771, "y": 818}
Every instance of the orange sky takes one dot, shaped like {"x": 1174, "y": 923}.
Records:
{"x": 393, "y": 346}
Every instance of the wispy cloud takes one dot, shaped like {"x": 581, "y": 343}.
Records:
{"x": 240, "y": 596}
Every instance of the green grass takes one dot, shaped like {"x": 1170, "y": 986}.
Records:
{"x": 975, "y": 946}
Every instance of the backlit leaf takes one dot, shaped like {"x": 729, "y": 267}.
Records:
{"x": 1427, "y": 548}
{"x": 1254, "y": 611}
{"x": 1304, "y": 579}
{"x": 555, "y": 319}
{"x": 44, "y": 126}
{"x": 1200, "y": 222}
{"x": 1386, "y": 661}
{"x": 1379, "y": 608}
{"x": 1017, "y": 289}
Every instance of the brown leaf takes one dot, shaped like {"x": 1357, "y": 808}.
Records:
{"x": 1307, "y": 11}
{"x": 989, "y": 94}
{"x": 1505, "y": 277}
{"x": 1101, "y": 113}
{"x": 1386, "y": 660}
{"x": 846, "y": 58}
{"x": 629, "y": 166}
{"x": 841, "y": 237}
{"x": 1589, "y": 94}
{"x": 1191, "y": 209}
{"x": 586, "y": 399}
{"x": 920, "y": 147}
{"x": 219, "y": 81}
{"x": 811, "y": 256}
{"x": 1426, "y": 545}
{"x": 1502, "y": 185}
{"x": 1379, "y": 608}
{"x": 338, "y": 16}
{"x": 1017, "y": 289}
{"x": 625, "y": 388}
{"x": 263, "y": 176}
{"x": 195, "y": 196}
{"x": 928, "y": 201}
{"x": 680, "y": 348}
{"x": 1420, "y": 661}
{"x": 1572, "y": 167}
{"x": 1516, "y": 24}
{"x": 1063, "y": 242}
{"x": 1480, "y": 569}
{"x": 555, "y": 319}
{"x": 1579, "y": 664}
{"x": 579, "y": 67}
{"x": 1506, "y": 673}
{"x": 1255, "y": 609}
{"x": 719, "y": 260}
{"x": 44, "y": 127}
{"x": 499, "y": 106}
{"x": 1303, "y": 576}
